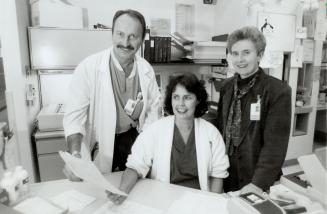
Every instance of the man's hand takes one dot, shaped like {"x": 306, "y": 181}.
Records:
{"x": 251, "y": 188}
{"x": 115, "y": 198}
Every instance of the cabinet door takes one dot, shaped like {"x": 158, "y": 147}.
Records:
{"x": 50, "y": 145}
{"x": 58, "y": 48}
{"x": 50, "y": 167}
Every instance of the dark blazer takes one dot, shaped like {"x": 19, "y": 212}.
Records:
{"x": 263, "y": 143}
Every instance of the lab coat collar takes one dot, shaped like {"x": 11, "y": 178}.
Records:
{"x": 118, "y": 66}
{"x": 137, "y": 62}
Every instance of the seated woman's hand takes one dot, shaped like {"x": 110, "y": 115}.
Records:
{"x": 115, "y": 198}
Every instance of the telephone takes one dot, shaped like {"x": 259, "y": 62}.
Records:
{"x": 51, "y": 117}
{"x": 252, "y": 203}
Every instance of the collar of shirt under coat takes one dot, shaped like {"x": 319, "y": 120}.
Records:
{"x": 118, "y": 66}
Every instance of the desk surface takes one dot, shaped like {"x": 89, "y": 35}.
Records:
{"x": 148, "y": 192}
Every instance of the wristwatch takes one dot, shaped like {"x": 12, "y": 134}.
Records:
{"x": 76, "y": 154}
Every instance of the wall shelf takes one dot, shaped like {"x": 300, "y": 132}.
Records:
{"x": 321, "y": 107}
{"x": 302, "y": 110}
{"x": 301, "y": 124}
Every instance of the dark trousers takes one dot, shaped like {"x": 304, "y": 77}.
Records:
{"x": 231, "y": 183}
{"x": 122, "y": 148}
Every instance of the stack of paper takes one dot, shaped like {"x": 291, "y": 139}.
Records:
{"x": 192, "y": 203}
{"x": 86, "y": 170}
{"x": 38, "y": 205}
{"x": 209, "y": 50}
{"x": 72, "y": 200}
{"x": 127, "y": 207}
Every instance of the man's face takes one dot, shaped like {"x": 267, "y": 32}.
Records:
{"x": 245, "y": 58}
{"x": 127, "y": 37}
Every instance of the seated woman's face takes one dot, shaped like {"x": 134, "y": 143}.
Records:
{"x": 245, "y": 58}
{"x": 183, "y": 103}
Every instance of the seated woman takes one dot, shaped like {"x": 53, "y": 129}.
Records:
{"x": 181, "y": 149}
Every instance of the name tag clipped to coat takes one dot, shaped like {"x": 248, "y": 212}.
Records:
{"x": 131, "y": 104}
{"x": 255, "y": 110}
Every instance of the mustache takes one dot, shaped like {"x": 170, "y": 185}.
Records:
{"x": 129, "y": 47}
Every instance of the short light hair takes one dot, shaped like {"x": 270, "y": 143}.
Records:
{"x": 247, "y": 33}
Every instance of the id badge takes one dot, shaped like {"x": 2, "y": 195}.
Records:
{"x": 130, "y": 106}
{"x": 255, "y": 110}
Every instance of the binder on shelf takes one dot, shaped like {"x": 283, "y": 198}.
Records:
{"x": 168, "y": 49}
{"x": 160, "y": 49}
{"x": 156, "y": 49}
{"x": 164, "y": 48}
{"x": 147, "y": 45}
{"x": 152, "y": 49}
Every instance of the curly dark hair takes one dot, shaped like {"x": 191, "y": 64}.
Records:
{"x": 193, "y": 85}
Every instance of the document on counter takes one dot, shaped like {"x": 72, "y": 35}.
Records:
{"x": 86, "y": 170}
{"x": 37, "y": 205}
{"x": 126, "y": 208}
{"x": 192, "y": 203}
{"x": 72, "y": 200}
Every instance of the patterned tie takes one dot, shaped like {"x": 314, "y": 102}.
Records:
{"x": 233, "y": 127}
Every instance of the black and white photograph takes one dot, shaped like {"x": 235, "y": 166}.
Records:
{"x": 163, "y": 107}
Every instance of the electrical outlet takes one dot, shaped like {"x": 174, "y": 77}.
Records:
{"x": 30, "y": 94}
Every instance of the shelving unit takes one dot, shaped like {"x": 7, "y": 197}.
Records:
{"x": 2, "y": 86}
{"x": 320, "y": 133}
{"x": 305, "y": 87}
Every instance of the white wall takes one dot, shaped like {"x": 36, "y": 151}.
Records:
{"x": 14, "y": 18}
{"x": 233, "y": 14}
{"x": 102, "y": 11}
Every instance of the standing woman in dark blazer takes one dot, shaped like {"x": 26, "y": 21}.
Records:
{"x": 254, "y": 116}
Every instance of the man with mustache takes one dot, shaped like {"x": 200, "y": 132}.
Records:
{"x": 113, "y": 96}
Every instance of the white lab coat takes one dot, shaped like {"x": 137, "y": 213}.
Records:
{"x": 152, "y": 150}
{"x": 91, "y": 108}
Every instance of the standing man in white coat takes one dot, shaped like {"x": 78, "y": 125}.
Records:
{"x": 113, "y": 96}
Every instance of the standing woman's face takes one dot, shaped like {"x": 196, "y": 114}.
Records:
{"x": 245, "y": 58}
{"x": 183, "y": 103}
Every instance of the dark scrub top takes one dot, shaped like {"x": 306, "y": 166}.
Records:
{"x": 124, "y": 88}
{"x": 183, "y": 162}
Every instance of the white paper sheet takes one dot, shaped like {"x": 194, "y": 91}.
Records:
{"x": 160, "y": 27}
{"x": 86, "y": 170}
{"x": 297, "y": 56}
{"x": 37, "y": 205}
{"x": 185, "y": 19}
{"x": 308, "y": 49}
{"x": 127, "y": 207}
{"x": 72, "y": 200}
{"x": 192, "y": 203}
{"x": 272, "y": 59}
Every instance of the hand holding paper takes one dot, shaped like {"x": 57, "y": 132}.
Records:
{"x": 88, "y": 172}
